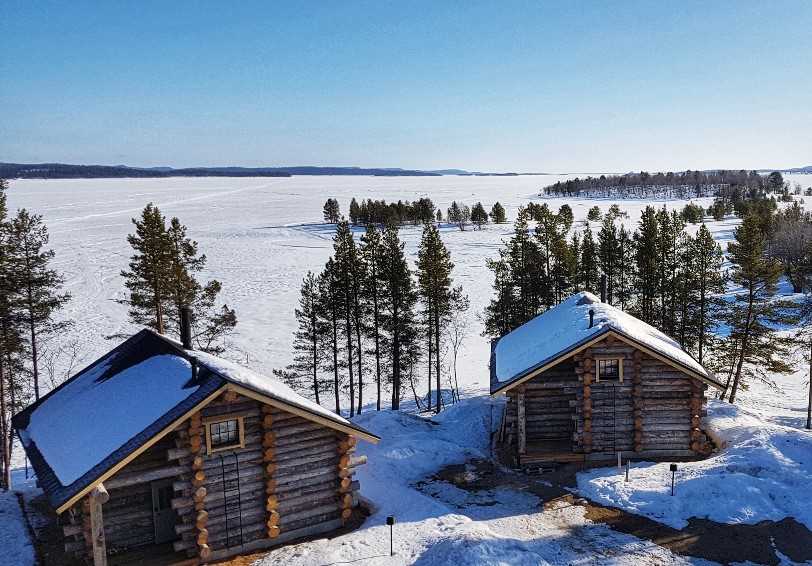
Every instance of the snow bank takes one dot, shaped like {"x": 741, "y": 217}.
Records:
{"x": 763, "y": 473}
{"x": 566, "y": 325}
{"x": 79, "y": 426}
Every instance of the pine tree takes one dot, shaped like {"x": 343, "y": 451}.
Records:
{"x": 39, "y": 284}
{"x": 624, "y": 290}
{"x": 608, "y": 255}
{"x": 549, "y": 232}
{"x": 574, "y": 266}
{"x": 647, "y": 266}
{"x": 434, "y": 268}
{"x": 478, "y": 216}
{"x": 459, "y": 215}
{"x": 439, "y": 215}
{"x": 709, "y": 283}
{"x": 332, "y": 212}
{"x": 754, "y": 314}
{"x": 397, "y": 312}
{"x": 350, "y": 272}
{"x": 497, "y": 214}
{"x": 149, "y": 278}
{"x": 589, "y": 273}
{"x": 161, "y": 281}
{"x": 308, "y": 343}
{"x": 566, "y": 216}
{"x": 331, "y": 309}
{"x": 371, "y": 254}
{"x": 12, "y": 343}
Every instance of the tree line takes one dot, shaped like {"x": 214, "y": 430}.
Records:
{"x": 370, "y": 319}
{"x": 662, "y": 275}
{"x": 421, "y": 211}
{"x": 683, "y": 185}
{"x": 31, "y": 294}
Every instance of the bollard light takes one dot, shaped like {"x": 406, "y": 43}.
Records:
{"x": 673, "y": 477}
{"x": 390, "y": 520}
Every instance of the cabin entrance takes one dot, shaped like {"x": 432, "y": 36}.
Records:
{"x": 163, "y": 516}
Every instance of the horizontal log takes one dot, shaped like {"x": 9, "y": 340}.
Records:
{"x": 124, "y": 480}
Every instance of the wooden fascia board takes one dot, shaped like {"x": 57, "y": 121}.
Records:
{"x": 305, "y": 414}
{"x": 598, "y": 338}
{"x": 666, "y": 360}
{"x": 140, "y": 450}
{"x": 555, "y": 361}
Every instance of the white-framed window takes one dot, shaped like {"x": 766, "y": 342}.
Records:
{"x": 609, "y": 369}
{"x": 224, "y": 433}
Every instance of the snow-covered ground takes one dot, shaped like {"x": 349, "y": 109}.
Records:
{"x": 262, "y": 235}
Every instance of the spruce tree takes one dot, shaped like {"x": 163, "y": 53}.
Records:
{"x": 308, "y": 343}
{"x": 371, "y": 254}
{"x": 332, "y": 212}
{"x": 566, "y": 216}
{"x": 40, "y": 285}
{"x": 497, "y": 214}
{"x": 755, "y": 314}
{"x": 574, "y": 265}
{"x": 397, "y": 312}
{"x": 549, "y": 232}
{"x": 434, "y": 268}
{"x": 439, "y": 215}
{"x": 478, "y": 216}
{"x": 355, "y": 211}
{"x": 589, "y": 272}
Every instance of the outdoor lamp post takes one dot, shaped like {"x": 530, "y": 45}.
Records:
{"x": 390, "y": 520}
{"x": 673, "y": 477}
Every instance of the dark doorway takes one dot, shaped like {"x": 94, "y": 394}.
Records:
{"x": 163, "y": 516}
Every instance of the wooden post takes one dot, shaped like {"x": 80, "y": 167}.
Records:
{"x": 269, "y": 465}
{"x": 637, "y": 400}
{"x": 97, "y": 498}
{"x": 521, "y": 421}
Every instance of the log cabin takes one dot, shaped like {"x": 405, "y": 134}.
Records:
{"x": 585, "y": 380}
{"x": 157, "y": 453}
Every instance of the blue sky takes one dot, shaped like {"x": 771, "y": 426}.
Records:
{"x": 519, "y": 86}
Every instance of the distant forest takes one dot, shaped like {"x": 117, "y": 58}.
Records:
{"x": 67, "y": 171}
{"x": 682, "y": 185}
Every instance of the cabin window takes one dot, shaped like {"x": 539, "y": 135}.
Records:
{"x": 225, "y": 433}
{"x": 609, "y": 369}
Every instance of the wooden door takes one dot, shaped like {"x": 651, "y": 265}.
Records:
{"x": 163, "y": 516}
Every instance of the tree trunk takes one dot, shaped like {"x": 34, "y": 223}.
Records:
{"x": 5, "y": 441}
{"x": 395, "y": 362}
{"x": 437, "y": 357}
{"x": 348, "y": 329}
{"x": 809, "y": 403}
{"x": 377, "y": 349}
{"x": 315, "y": 344}
{"x": 431, "y": 347}
{"x": 34, "y": 361}
{"x": 743, "y": 352}
{"x": 335, "y": 362}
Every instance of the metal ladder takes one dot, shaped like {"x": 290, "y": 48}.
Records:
{"x": 232, "y": 501}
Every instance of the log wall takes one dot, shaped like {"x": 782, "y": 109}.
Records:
{"x": 292, "y": 478}
{"x": 654, "y": 411}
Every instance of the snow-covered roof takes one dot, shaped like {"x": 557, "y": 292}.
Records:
{"x": 94, "y": 421}
{"x": 563, "y": 328}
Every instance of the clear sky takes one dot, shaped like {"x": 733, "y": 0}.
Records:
{"x": 500, "y": 86}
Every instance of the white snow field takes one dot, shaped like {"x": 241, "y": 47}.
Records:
{"x": 262, "y": 235}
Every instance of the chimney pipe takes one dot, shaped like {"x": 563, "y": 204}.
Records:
{"x": 603, "y": 287}
{"x": 591, "y": 317}
{"x": 186, "y": 327}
